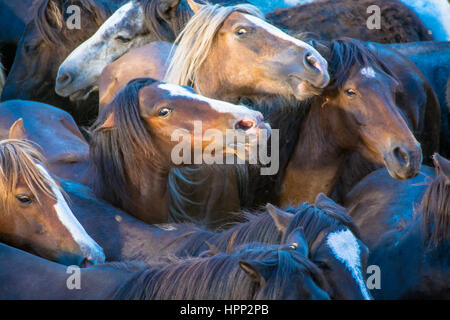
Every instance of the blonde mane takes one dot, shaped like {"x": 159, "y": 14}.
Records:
{"x": 18, "y": 162}
{"x": 196, "y": 41}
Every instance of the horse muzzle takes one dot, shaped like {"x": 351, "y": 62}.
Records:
{"x": 402, "y": 162}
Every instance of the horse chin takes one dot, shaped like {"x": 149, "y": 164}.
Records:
{"x": 302, "y": 90}
{"x": 82, "y": 94}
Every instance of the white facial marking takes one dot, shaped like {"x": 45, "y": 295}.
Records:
{"x": 88, "y": 246}
{"x": 219, "y": 106}
{"x": 368, "y": 72}
{"x": 345, "y": 248}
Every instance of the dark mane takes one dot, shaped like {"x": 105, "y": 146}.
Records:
{"x": 220, "y": 277}
{"x": 49, "y": 17}
{"x": 165, "y": 30}
{"x": 435, "y": 210}
{"x": 343, "y": 55}
{"x": 120, "y": 155}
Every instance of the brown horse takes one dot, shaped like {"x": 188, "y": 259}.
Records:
{"x": 149, "y": 61}
{"x": 406, "y": 227}
{"x": 125, "y": 238}
{"x": 331, "y": 19}
{"x": 34, "y": 214}
{"x": 54, "y": 131}
{"x": 132, "y": 143}
{"x": 253, "y": 272}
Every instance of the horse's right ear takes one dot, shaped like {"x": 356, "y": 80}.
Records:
{"x": 442, "y": 166}
{"x": 280, "y": 218}
{"x": 258, "y": 271}
{"x": 108, "y": 124}
{"x": 17, "y": 130}
{"x": 195, "y": 6}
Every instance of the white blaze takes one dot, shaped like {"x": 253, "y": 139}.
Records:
{"x": 345, "y": 248}
{"x": 368, "y": 72}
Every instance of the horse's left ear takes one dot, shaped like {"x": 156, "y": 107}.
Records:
{"x": 280, "y": 218}
{"x": 297, "y": 241}
{"x": 196, "y": 7}
{"x": 166, "y": 7}
{"x": 108, "y": 124}
{"x": 258, "y": 271}
{"x": 442, "y": 166}
{"x": 17, "y": 130}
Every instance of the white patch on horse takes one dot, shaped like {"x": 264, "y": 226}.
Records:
{"x": 88, "y": 246}
{"x": 219, "y": 106}
{"x": 368, "y": 72}
{"x": 345, "y": 248}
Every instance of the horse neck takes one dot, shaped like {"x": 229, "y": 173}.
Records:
{"x": 316, "y": 162}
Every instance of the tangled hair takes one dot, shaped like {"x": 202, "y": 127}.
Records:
{"x": 435, "y": 210}
{"x": 18, "y": 162}
{"x": 221, "y": 277}
{"x": 196, "y": 40}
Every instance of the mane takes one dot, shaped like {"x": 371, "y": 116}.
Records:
{"x": 196, "y": 41}
{"x": 18, "y": 160}
{"x": 435, "y": 210}
{"x": 165, "y": 30}
{"x": 220, "y": 277}
{"x": 120, "y": 155}
{"x": 343, "y": 55}
{"x": 315, "y": 219}
{"x": 49, "y": 17}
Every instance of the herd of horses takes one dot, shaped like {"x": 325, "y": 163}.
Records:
{"x": 87, "y": 176}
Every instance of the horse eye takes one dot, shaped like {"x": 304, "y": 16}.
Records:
{"x": 123, "y": 39}
{"x": 24, "y": 200}
{"x": 30, "y": 48}
{"x": 241, "y": 31}
{"x": 164, "y": 112}
{"x": 350, "y": 92}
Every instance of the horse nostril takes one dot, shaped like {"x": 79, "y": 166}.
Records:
{"x": 402, "y": 156}
{"x": 64, "y": 79}
{"x": 311, "y": 62}
{"x": 245, "y": 124}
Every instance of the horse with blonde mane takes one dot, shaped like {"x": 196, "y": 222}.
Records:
{"x": 34, "y": 214}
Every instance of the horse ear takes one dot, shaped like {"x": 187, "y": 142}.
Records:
{"x": 280, "y": 218}
{"x": 53, "y": 13}
{"x": 195, "y": 6}
{"x": 166, "y": 7}
{"x": 258, "y": 271}
{"x": 108, "y": 124}
{"x": 17, "y": 130}
{"x": 442, "y": 166}
{"x": 297, "y": 241}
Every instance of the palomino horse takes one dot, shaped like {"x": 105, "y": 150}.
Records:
{"x": 252, "y": 272}
{"x": 54, "y": 131}
{"x": 149, "y": 61}
{"x": 283, "y": 63}
{"x": 331, "y": 19}
{"x": 125, "y": 238}
{"x": 132, "y": 143}
{"x": 406, "y": 227}
{"x": 34, "y": 214}
{"x": 388, "y": 144}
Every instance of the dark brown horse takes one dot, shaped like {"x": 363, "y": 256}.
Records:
{"x": 331, "y": 19}
{"x": 54, "y": 131}
{"x": 45, "y": 42}
{"x": 253, "y": 272}
{"x": 406, "y": 227}
{"x": 34, "y": 214}
{"x": 133, "y": 144}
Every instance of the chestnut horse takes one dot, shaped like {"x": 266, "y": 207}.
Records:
{"x": 406, "y": 226}
{"x": 125, "y": 238}
{"x": 132, "y": 144}
{"x": 54, "y": 131}
{"x": 331, "y": 19}
{"x": 34, "y": 213}
{"x": 252, "y": 272}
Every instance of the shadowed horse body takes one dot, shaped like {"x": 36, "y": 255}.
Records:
{"x": 34, "y": 214}
{"x": 54, "y": 131}
{"x": 405, "y": 224}
{"x": 253, "y": 272}
{"x": 332, "y": 19}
